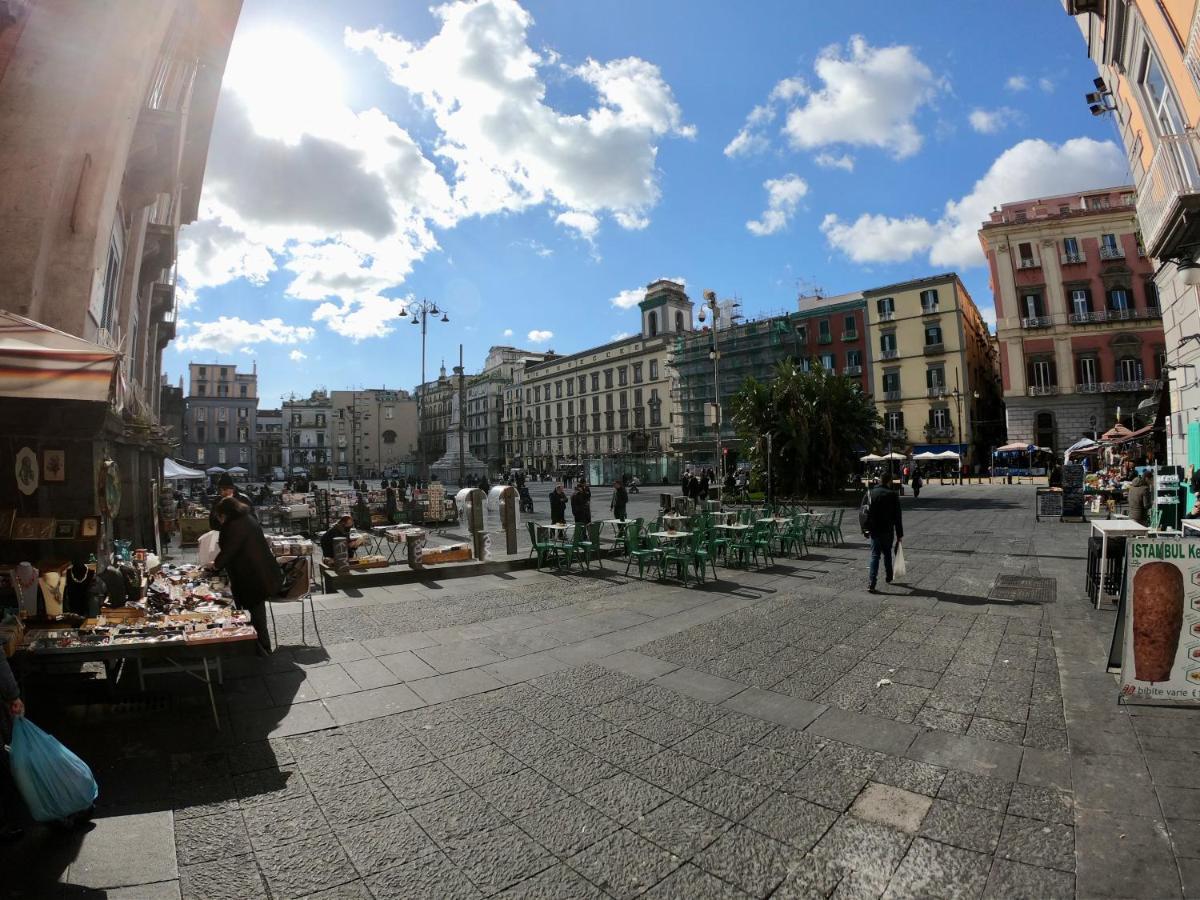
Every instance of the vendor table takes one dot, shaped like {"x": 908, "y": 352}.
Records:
{"x": 203, "y": 654}
{"x": 1104, "y": 576}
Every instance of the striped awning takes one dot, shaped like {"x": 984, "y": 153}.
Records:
{"x": 39, "y": 362}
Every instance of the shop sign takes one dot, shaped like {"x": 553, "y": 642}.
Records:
{"x": 1160, "y": 662}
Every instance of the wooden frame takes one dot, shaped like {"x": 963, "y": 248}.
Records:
{"x": 54, "y": 466}
{"x": 89, "y": 527}
{"x": 65, "y": 529}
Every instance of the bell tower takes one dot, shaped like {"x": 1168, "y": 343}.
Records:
{"x": 666, "y": 309}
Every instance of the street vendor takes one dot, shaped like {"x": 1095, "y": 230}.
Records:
{"x": 246, "y": 557}
{"x": 226, "y": 488}
{"x": 340, "y": 529}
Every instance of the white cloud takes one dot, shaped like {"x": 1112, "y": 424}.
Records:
{"x": 990, "y": 121}
{"x": 1017, "y": 83}
{"x": 620, "y": 336}
{"x": 508, "y": 332}
{"x": 1032, "y": 168}
{"x": 870, "y": 97}
{"x": 297, "y": 356}
{"x": 832, "y": 161}
{"x": 1046, "y": 85}
{"x": 585, "y": 225}
{"x": 362, "y": 317}
{"x": 629, "y": 299}
{"x": 228, "y": 334}
{"x": 539, "y": 337}
{"x": 783, "y": 196}
{"x": 536, "y": 247}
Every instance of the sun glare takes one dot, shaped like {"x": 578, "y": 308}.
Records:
{"x": 289, "y": 82}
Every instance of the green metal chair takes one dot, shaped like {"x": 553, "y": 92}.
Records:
{"x": 540, "y": 547}
{"x": 640, "y": 552}
{"x": 579, "y": 547}
{"x": 593, "y": 544}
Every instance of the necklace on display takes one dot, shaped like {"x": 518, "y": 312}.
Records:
{"x": 86, "y": 573}
{"x": 27, "y": 584}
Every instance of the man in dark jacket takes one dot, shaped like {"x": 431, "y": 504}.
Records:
{"x": 620, "y": 498}
{"x": 884, "y": 526}
{"x": 226, "y": 488}
{"x": 558, "y": 505}
{"x": 581, "y": 506}
{"x": 10, "y": 698}
{"x": 339, "y": 529}
{"x": 246, "y": 557}
{"x": 1139, "y": 500}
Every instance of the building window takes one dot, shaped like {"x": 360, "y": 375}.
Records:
{"x": 1151, "y": 294}
{"x": 828, "y": 362}
{"x": 200, "y": 433}
{"x": 652, "y": 323}
{"x": 557, "y": 389}
{"x": 224, "y": 373}
{"x": 935, "y": 378}
{"x": 595, "y": 421}
{"x": 929, "y": 300}
{"x": 853, "y": 358}
{"x": 201, "y": 414}
{"x": 1119, "y": 300}
{"x": 387, "y": 412}
{"x": 678, "y": 321}
{"x": 221, "y": 455}
{"x": 201, "y": 390}
{"x": 110, "y": 292}
{"x": 622, "y": 375}
{"x": 933, "y": 335}
{"x": 624, "y": 418}
{"x": 939, "y": 417}
{"x": 243, "y": 413}
{"x": 243, "y": 454}
{"x": 608, "y": 379}
{"x": 1042, "y": 374}
{"x": 608, "y": 420}
{"x": 595, "y": 381}
{"x": 823, "y": 331}
{"x": 891, "y": 382}
{"x": 200, "y": 454}
{"x": 886, "y": 306}
{"x": 802, "y": 333}
{"x": 1129, "y": 369}
{"x": 624, "y": 400}
{"x": 582, "y": 384}
{"x": 1088, "y": 371}
{"x": 1071, "y": 249}
{"x": 389, "y": 437}
{"x": 893, "y": 421}
{"x": 1157, "y": 95}
{"x": 887, "y": 342}
{"x": 1081, "y": 301}
{"x": 222, "y": 390}
{"x": 241, "y": 390}
{"x": 850, "y": 327}
{"x": 637, "y": 373}
{"x": 1109, "y": 248}
{"x": 654, "y": 370}
{"x": 1033, "y": 305}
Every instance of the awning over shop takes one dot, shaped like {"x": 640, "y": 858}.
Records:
{"x": 870, "y": 457}
{"x": 39, "y": 362}
{"x": 1016, "y": 448}
{"x": 1117, "y": 433}
{"x": 1135, "y": 435}
{"x": 173, "y": 470}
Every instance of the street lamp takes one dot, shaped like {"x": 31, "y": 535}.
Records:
{"x": 421, "y": 312}
{"x": 710, "y": 301}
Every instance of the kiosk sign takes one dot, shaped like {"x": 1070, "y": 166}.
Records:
{"x": 1161, "y": 659}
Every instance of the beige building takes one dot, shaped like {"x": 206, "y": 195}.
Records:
{"x": 105, "y": 115}
{"x": 486, "y": 414}
{"x": 374, "y": 433}
{"x": 308, "y": 435}
{"x": 932, "y": 368}
{"x": 434, "y": 407}
{"x": 610, "y": 402}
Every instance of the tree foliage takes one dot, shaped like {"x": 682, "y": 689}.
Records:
{"x": 818, "y": 421}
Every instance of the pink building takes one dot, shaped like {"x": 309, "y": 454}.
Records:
{"x": 1077, "y": 314}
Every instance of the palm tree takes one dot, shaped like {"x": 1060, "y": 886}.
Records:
{"x": 818, "y": 422}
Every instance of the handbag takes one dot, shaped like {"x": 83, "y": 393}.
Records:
{"x": 864, "y": 514}
{"x": 54, "y": 782}
{"x": 899, "y": 569}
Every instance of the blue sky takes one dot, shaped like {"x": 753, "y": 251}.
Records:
{"x": 529, "y": 166}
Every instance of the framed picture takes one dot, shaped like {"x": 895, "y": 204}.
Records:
{"x": 64, "y": 529}
{"x": 54, "y": 465}
{"x": 90, "y": 527}
{"x": 33, "y": 529}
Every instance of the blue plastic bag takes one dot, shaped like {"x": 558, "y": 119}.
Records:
{"x": 55, "y": 783}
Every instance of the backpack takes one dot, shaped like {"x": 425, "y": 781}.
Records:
{"x": 864, "y": 514}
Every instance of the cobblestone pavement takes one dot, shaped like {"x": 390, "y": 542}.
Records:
{"x": 778, "y": 733}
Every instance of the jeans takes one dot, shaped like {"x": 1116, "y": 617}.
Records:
{"x": 880, "y": 546}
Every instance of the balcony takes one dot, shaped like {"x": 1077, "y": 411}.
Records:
{"x": 934, "y": 349}
{"x": 1028, "y": 263}
{"x": 889, "y": 354}
{"x": 887, "y": 315}
{"x": 929, "y": 309}
{"x": 1118, "y": 387}
{"x": 824, "y": 338}
{"x": 939, "y": 432}
{"x": 1111, "y": 252}
{"x": 1042, "y": 390}
{"x": 1073, "y": 259}
{"x": 896, "y": 434}
{"x": 937, "y": 391}
{"x": 849, "y": 335}
{"x": 1037, "y": 322}
{"x": 1169, "y": 192}
{"x": 891, "y": 395}
{"x": 852, "y": 371}
{"x": 1115, "y": 315}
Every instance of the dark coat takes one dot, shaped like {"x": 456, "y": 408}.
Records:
{"x": 581, "y": 507}
{"x": 246, "y": 557}
{"x": 558, "y": 507}
{"x": 240, "y": 497}
{"x": 619, "y": 501}
{"x": 1139, "y": 501}
{"x": 883, "y": 521}
{"x": 330, "y": 536}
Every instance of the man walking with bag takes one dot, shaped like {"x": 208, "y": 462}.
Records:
{"x": 884, "y": 527}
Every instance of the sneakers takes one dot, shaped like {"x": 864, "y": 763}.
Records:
{"x": 871, "y": 589}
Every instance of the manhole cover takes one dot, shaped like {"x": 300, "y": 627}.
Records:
{"x": 1023, "y": 589}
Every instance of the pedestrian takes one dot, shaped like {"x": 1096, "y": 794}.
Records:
{"x": 702, "y": 486}
{"x": 246, "y": 557}
{"x": 11, "y": 708}
{"x": 558, "y": 505}
{"x": 581, "y": 506}
{"x": 619, "y": 500}
{"x": 1139, "y": 500}
{"x": 226, "y": 488}
{"x": 884, "y": 526}
{"x": 917, "y": 483}
{"x": 390, "y": 505}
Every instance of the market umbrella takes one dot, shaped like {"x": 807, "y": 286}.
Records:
{"x": 894, "y": 455}
{"x": 947, "y": 454}
{"x": 1117, "y": 433}
{"x": 173, "y": 470}
{"x": 238, "y": 470}
{"x": 926, "y": 456}
{"x": 214, "y": 470}
{"x": 1081, "y": 446}
{"x": 1018, "y": 447}
{"x": 870, "y": 457}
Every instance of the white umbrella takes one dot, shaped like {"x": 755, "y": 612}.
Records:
{"x": 894, "y": 455}
{"x": 173, "y": 470}
{"x": 238, "y": 470}
{"x": 214, "y": 470}
{"x": 926, "y": 456}
{"x": 870, "y": 457}
{"x": 947, "y": 454}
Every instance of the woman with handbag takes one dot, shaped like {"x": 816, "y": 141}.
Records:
{"x": 254, "y": 574}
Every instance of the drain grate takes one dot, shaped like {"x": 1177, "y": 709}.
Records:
{"x": 1023, "y": 589}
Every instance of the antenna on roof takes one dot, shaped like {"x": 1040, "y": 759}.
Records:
{"x": 808, "y": 288}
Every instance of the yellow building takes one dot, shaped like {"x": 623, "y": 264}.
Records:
{"x": 932, "y": 368}
{"x": 1148, "y": 56}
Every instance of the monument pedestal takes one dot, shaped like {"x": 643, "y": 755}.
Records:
{"x": 457, "y": 459}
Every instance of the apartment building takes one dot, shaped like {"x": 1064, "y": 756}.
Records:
{"x": 1077, "y": 314}
{"x": 268, "y": 441}
{"x": 1147, "y": 53}
{"x": 826, "y": 331}
{"x": 434, "y": 406}
{"x": 307, "y": 435}
{"x": 374, "y": 433}
{"x": 219, "y": 417}
{"x": 931, "y": 365}
{"x": 105, "y": 115}
{"x": 485, "y": 403}
{"x": 612, "y": 402}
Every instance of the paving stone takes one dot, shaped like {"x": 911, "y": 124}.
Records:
{"x": 384, "y": 843}
{"x": 1045, "y": 803}
{"x": 454, "y": 819}
{"x": 868, "y": 851}
{"x": 556, "y": 883}
{"x": 352, "y": 890}
{"x": 919, "y": 777}
{"x": 428, "y": 877}
{"x": 1038, "y": 843}
{"x": 870, "y": 732}
{"x": 681, "y": 827}
{"x": 273, "y": 824}
{"x": 1185, "y": 837}
{"x": 566, "y": 827}
{"x": 996, "y": 730}
{"x": 662, "y": 728}
{"x": 727, "y": 795}
{"x": 752, "y": 861}
{"x": 499, "y": 858}
{"x": 208, "y": 838}
{"x": 834, "y": 777}
{"x": 231, "y": 878}
{"x": 891, "y": 806}
{"x": 204, "y": 798}
{"x": 930, "y": 869}
{"x": 424, "y": 784}
{"x": 484, "y": 764}
{"x": 700, "y": 686}
{"x": 671, "y": 771}
{"x": 963, "y": 826}
{"x": 976, "y": 790}
{"x": 340, "y": 768}
{"x": 1046, "y": 768}
{"x": 690, "y": 883}
{"x": 764, "y": 766}
{"x": 304, "y": 867}
{"x": 1011, "y": 880}
{"x": 791, "y": 820}
{"x": 1144, "y": 867}
{"x": 521, "y": 793}
{"x": 624, "y": 797}
{"x": 575, "y": 770}
{"x": 943, "y": 720}
{"x": 362, "y": 801}
{"x": 1180, "y": 802}
{"x": 624, "y": 864}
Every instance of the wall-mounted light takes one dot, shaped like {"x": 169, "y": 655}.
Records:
{"x": 1101, "y": 100}
{"x": 1187, "y": 270}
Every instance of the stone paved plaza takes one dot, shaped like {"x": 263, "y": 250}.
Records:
{"x": 776, "y": 733}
